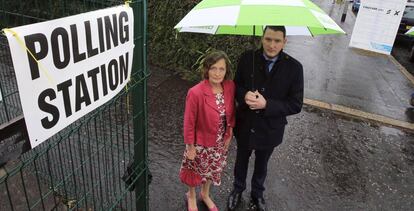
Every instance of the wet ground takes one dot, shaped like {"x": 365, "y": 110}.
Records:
{"x": 337, "y": 74}
{"x": 400, "y": 52}
{"x": 326, "y": 162}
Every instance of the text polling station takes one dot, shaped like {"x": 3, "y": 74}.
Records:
{"x": 66, "y": 68}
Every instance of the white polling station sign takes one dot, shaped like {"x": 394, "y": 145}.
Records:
{"x": 82, "y": 61}
{"x": 377, "y": 24}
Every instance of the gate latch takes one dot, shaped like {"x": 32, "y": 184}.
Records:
{"x": 131, "y": 174}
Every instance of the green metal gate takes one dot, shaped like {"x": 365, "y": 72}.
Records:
{"x": 97, "y": 163}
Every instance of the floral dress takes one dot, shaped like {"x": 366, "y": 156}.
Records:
{"x": 209, "y": 161}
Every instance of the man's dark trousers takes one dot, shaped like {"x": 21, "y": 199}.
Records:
{"x": 259, "y": 173}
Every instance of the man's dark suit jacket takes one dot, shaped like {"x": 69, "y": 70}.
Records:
{"x": 283, "y": 90}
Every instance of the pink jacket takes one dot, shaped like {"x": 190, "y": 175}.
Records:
{"x": 201, "y": 116}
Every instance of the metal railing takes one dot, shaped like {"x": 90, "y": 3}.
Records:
{"x": 97, "y": 163}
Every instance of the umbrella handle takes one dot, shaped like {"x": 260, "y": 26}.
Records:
{"x": 254, "y": 48}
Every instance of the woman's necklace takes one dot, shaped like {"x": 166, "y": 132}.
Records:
{"x": 217, "y": 89}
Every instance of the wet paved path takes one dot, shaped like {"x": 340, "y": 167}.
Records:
{"x": 337, "y": 74}
{"x": 326, "y": 162}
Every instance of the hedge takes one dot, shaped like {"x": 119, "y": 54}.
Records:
{"x": 181, "y": 52}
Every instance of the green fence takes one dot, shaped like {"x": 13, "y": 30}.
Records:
{"x": 97, "y": 163}
{"x": 10, "y": 103}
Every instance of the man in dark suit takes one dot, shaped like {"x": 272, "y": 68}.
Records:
{"x": 265, "y": 97}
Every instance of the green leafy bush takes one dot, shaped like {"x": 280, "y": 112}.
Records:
{"x": 181, "y": 51}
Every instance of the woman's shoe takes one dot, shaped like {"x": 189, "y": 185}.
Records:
{"x": 188, "y": 203}
{"x": 412, "y": 99}
{"x": 210, "y": 209}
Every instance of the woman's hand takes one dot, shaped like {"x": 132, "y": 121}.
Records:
{"x": 227, "y": 145}
{"x": 228, "y": 141}
{"x": 191, "y": 151}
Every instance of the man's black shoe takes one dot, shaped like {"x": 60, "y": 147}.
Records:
{"x": 234, "y": 200}
{"x": 258, "y": 203}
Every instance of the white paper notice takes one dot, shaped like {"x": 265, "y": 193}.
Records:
{"x": 377, "y": 24}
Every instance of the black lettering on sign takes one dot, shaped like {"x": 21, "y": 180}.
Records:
{"x": 63, "y": 34}
{"x": 91, "y": 51}
{"x": 82, "y": 94}
{"x": 104, "y": 82}
{"x": 111, "y": 31}
{"x": 101, "y": 36}
{"x": 113, "y": 74}
{"x": 123, "y": 67}
{"x": 39, "y": 53}
{"x": 123, "y": 30}
{"x": 48, "y": 108}
{"x": 93, "y": 75}
{"x": 64, "y": 88}
{"x": 77, "y": 57}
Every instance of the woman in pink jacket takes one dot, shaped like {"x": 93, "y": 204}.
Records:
{"x": 208, "y": 128}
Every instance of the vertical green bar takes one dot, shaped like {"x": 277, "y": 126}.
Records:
{"x": 144, "y": 52}
{"x": 139, "y": 103}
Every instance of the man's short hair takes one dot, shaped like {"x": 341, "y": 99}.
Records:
{"x": 276, "y": 28}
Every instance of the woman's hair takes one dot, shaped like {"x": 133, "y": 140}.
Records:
{"x": 213, "y": 57}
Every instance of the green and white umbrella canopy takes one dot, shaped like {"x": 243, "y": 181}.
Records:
{"x": 410, "y": 32}
{"x": 300, "y": 17}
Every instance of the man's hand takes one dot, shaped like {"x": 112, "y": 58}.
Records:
{"x": 191, "y": 151}
{"x": 227, "y": 142}
{"x": 255, "y": 100}
{"x": 250, "y": 97}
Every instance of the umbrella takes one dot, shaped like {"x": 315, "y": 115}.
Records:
{"x": 249, "y": 17}
{"x": 411, "y": 31}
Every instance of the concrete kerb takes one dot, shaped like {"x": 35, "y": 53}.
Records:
{"x": 362, "y": 115}
{"x": 403, "y": 70}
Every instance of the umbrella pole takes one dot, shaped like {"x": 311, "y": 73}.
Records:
{"x": 254, "y": 49}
